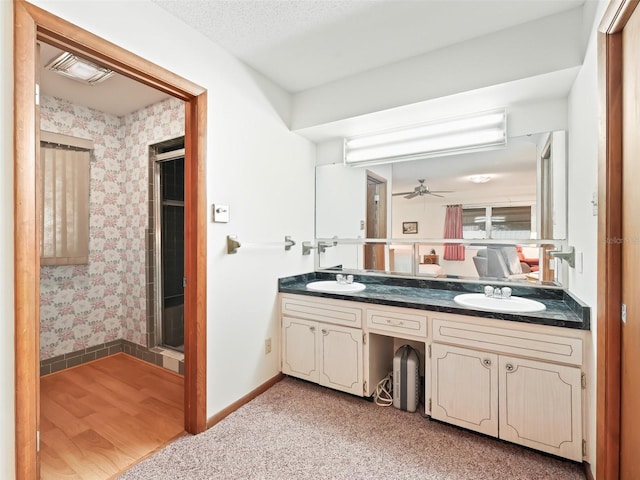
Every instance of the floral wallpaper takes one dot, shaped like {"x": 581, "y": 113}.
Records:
{"x": 86, "y": 305}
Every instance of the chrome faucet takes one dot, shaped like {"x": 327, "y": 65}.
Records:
{"x": 504, "y": 292}
{"x": 569, "y": 256}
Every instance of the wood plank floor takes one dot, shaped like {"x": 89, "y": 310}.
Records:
{"x": 99, "y": 418}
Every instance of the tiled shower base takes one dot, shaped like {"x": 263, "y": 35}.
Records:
{"x": 162, "y": 357}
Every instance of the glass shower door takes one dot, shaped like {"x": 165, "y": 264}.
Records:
{"x": 172, "y": 252}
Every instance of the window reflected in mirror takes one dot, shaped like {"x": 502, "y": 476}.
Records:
{"x": 498, "y": 222}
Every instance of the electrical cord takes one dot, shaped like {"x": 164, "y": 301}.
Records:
{"x": 383, "y": 395}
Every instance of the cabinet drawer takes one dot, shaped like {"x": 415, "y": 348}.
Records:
{"x": 322, "y": 311}
{"x": 541, "y": 346}
{"x": 397, "y": 321}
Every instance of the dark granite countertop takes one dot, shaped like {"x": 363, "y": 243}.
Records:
{"x": 563, "y": 309}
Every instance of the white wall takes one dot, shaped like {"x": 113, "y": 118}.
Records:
{"x": 255, "y": 165}
{"x": 582, "y": 224}
{"x": 7, "y": 418}
{"x": 429, "y": 215}
{"x": 583, "y": 176}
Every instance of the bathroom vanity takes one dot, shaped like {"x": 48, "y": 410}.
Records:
{"x": 518, "y": 377}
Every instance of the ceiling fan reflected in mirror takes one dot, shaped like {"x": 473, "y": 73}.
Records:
{"x": 422, "y": 190}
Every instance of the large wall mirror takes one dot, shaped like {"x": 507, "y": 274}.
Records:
{"x": 509, "y": 204}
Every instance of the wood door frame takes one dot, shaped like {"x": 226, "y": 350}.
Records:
{"x": 610, "y": 238}
{"x": 32, "y": 24}
{"x": 375, "y": 249}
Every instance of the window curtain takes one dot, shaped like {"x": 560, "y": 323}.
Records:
{"x": 64, "y": 212}
{"x": 453, "y": 229}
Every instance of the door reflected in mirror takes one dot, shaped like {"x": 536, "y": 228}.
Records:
{"x": 376, "y": 221}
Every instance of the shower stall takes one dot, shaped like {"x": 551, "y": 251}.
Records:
{"x": 169, "y": 248}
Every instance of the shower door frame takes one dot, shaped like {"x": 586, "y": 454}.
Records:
{"x": 157, "y": 244}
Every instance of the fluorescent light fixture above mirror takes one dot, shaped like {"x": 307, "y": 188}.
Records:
{"x": 479, "y": 131}
{"x": 79, "y": 69}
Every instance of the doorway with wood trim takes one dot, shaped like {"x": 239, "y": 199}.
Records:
{"x": 32, "y": 24}
{"x": 618, "y": 420}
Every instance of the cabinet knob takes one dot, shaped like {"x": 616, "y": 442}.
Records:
{"x": 509, "y": 367}
{"x": 324, "y": 331}
{"x": 486, "y": 362}
{"x": 313, "y": 329}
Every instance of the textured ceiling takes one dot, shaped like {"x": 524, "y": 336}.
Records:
{"x": 300, "y": 44}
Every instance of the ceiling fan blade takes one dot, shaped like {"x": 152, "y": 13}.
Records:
{"x": 421, "y": 190}
{"x": 401, "y": 193}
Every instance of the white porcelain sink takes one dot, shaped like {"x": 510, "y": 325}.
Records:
{"x": 511, "y": 305}
{"x": 331, "y": 286}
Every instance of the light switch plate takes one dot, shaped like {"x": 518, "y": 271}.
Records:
{"x": 220, "y": 213}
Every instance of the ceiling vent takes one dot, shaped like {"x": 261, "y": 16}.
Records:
{"x": 78, "y": 69}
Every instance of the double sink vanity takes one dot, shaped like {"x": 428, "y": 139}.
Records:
{"x": 511, "y": 368}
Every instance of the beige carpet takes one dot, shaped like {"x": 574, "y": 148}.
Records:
{"x": 298, "y": 430}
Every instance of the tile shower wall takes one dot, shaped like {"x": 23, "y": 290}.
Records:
{"x": 86, "y": 305}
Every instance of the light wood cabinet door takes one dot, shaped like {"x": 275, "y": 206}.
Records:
{"x": 464, "y": 389}
{"x": 300, "y": 356}
{"x": 341, "y": 358}
{"x": 541, "y": 406}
